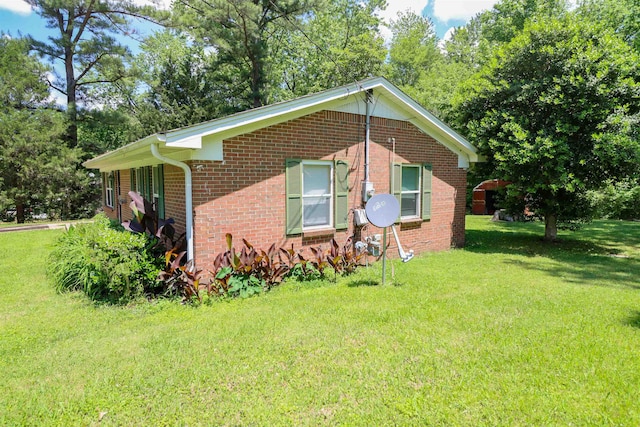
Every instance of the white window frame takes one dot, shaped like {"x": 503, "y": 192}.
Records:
{"x": 109, "y": 184}
{"x": 330, "y": 195}
{"x": 418, "y": 192}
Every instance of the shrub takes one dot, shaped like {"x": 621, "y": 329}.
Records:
{"x": 619, "y": 200}
{"x": 246, "y": 273}
{"x": 105, "y": 263}
{"x": 252, "y": 271}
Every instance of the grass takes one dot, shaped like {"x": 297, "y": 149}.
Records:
{"x": 509, "y": 331}
{"x": 8, "y": 224}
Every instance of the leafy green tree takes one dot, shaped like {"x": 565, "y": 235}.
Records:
{"x": 622, "y": 16}
{"x": 179, "y": 84}
{"x": 86, "y": 46}
{"x": 37, "y": 170}
{"x": 508, "y": 18}
{"x": 413, "y": 50}
{"x": 337, "y": 43}
{"x": 436, "y": 88}
{"x": 239, "y": 31}
{"x": 556, "y": 113}
{"x": 466, "y": 45}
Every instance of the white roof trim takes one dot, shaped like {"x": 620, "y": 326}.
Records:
{"x": 190, "y": 137}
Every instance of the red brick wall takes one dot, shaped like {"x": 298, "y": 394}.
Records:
{"x": 245, "y": 194}
{"x": 174, "y": 196}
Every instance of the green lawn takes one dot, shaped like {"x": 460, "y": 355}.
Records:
{"x": 509, "y": 331}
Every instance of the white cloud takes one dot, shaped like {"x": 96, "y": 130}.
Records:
{"x": 448, "y": 34}
{"x": 395, "y": 6}
{"x": 447, "y": 10}
{"x": 160, "y": 4}
{"x": 17, "y": 6}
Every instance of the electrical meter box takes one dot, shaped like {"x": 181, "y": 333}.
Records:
{"x": 367, "y": 190}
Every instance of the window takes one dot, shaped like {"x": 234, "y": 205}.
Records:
{"x": 410, "y": 191}
{"x": 148, "y": 181}
{"x": 108, "y": 193}
{"x": 317, "y": 195}
{"x": 411, "y": 184}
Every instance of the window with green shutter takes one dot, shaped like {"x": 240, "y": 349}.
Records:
{"x": 342, "y": 195}
{"x": 411, "y": 185}
{"x": 148, "y": 181}
{"x": 317, "y": 194}
{"x": 427, "y": 174}
{"x": 293, "y": 178}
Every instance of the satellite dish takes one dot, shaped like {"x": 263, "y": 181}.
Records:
{"x": 382, "y": 210}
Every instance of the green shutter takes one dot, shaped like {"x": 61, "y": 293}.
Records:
{"x": 140, "y": 181}
{"x": 132, "y": 180}
{"x": 104, "y": 189}
{"x": 396, "y": 183}
{"x": 160, "y": 176}
{"x": 293, "y": 178}
{"x": 427, "y": 173}
{"x": 341, "y": 206}
{"x": 148, "y": 184}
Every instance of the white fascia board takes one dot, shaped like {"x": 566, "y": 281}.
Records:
{"x": 134, "y": 155}
{"x": 110, "y": 157}
{"x": 250, "y": 120}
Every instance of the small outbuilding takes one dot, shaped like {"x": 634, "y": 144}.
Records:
{"x": 295, "y": 172}
{"x": 484, "y": 202}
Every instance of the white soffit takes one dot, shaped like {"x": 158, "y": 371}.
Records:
{"x": 381, "y": 108}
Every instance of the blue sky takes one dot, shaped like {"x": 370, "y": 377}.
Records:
{"x": 16, "y": 17}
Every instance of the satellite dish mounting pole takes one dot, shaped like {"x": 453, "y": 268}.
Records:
{"x": 384, "y": 255}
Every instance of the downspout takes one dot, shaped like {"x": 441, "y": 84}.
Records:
{"x": 187, "y": 195}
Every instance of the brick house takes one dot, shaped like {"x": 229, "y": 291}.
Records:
{"x": 293, "y": 172}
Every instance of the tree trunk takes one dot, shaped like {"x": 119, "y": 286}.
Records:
{"x": 19, "y": 213}
{"x": 550, "y": 228}
{"x": 72, "y": 113}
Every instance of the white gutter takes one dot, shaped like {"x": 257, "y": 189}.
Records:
{"x": 187, "y": 195}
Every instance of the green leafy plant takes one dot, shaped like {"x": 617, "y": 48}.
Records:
{"x": 300, "y": 269}
{"x": 248, "y": 272}
{"x": 104, "y": 263}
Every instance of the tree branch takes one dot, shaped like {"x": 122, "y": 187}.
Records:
{"x": 90, "y": 66}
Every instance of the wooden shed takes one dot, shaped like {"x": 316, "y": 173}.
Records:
{"x": 483, "y": 202}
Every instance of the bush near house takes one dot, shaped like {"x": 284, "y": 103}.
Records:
{"x": 106, "y": 263}
{"x": 110, "y": 264}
